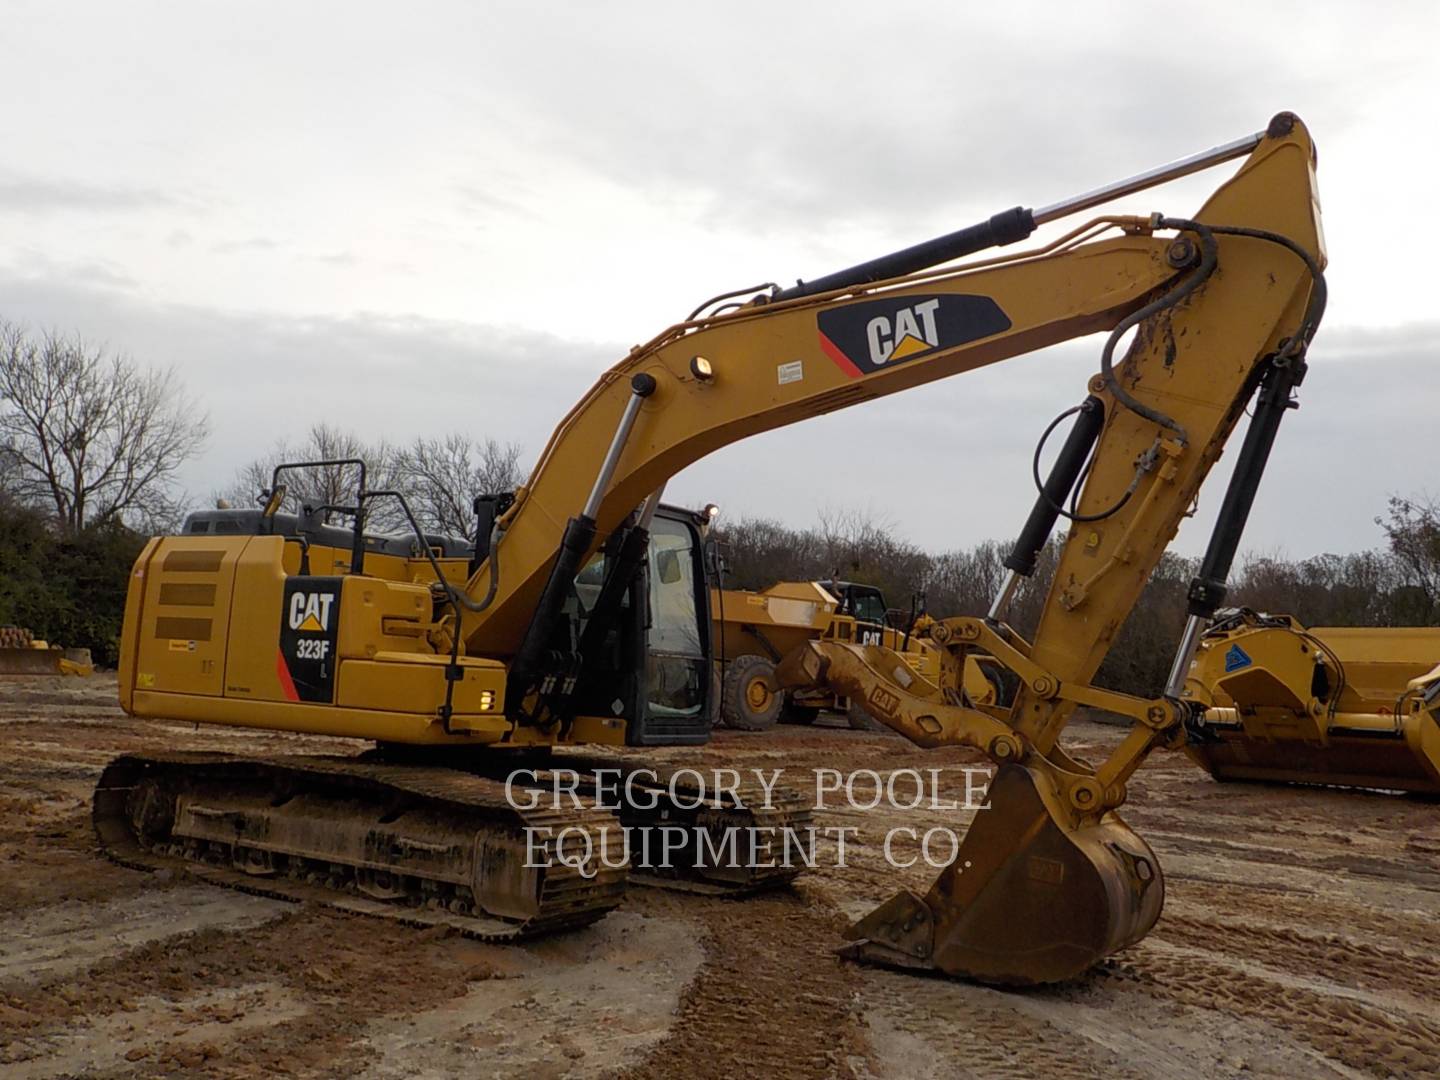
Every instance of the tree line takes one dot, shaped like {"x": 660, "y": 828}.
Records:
{"x": 1395, "y": 584}
{"x": 91, "y": 445}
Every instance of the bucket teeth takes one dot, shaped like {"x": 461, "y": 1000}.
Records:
{"x": 899, "y": 933}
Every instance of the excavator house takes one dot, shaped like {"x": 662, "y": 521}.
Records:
{"x": 577, "y": 614}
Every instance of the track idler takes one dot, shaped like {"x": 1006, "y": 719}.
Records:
{"x": 1030, "y": 897}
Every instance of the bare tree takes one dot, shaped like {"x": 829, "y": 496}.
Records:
{"x": 852, "y": 538}
{"x": 438, "y": 477}
{"x": 964, "y": 582}
{"x": 1412, "y": 527}
{"x": 441, "y": 478}
{"x": 90, "y": 435}
{"x": 760, "y": 552}
{"x": 1395, "y": 587}
{"x": 317, "y": 486}
{"x": 9, "y": 472}
{"x": 850, "y": 544}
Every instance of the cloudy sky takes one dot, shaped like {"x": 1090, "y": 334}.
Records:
{"x": 438, "y": 217}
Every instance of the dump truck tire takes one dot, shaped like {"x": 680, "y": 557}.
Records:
{"x": 752, "y": 699}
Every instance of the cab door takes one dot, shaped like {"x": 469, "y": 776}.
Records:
{"x": 675, "y": 682}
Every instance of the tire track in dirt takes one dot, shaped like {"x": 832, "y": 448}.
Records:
{"x": 345, "y": 969}
{"x": 1274, "y": 856}
{"x": 1354, "y": 1033}
{"x": 58, "y": 940}
{"x": 305, "y": 994}
{"x": 1287, "y": 906}
{"x": 571, "y": 1006}
{"x": 48, "y": 855}
{"x": 191, "y": 1028}
{"x": 1334, "y": 957}
{"x": 771, "y": 998}
{"x": 976, "y": 1028}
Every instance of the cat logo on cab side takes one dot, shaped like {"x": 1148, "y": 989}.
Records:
{"x": 309, "y": 624}
{"x": 310, "y": 611}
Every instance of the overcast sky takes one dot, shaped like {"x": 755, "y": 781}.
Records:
{"x": 434, "y": 217}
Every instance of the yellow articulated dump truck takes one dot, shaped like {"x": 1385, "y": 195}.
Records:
{"x": 1341, "y": 706}
{"x": 21, "y": 653}
{"x": 754, "y": 631}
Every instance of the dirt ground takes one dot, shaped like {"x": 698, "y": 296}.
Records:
{"x": 1301, "y": 937}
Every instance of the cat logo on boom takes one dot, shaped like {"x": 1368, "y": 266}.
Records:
{"x": 912, "y": 330}
{"x": 873, "y": 335}
{"x": 311, "y": 611}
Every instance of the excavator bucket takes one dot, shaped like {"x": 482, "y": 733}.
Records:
{"x": 1403, "y": 756}
{"x": 1027, "y": 899}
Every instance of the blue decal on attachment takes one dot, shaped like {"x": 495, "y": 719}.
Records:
{"x": 1236, "y": 659}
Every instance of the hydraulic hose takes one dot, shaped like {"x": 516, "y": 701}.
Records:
{"x": 1198, "y": 277}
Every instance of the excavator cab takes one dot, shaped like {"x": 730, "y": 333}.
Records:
{"x": 652, "y": 663}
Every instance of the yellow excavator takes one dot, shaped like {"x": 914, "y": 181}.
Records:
{"x": 578, "y": 613}
{"x": 1338, "y": 706}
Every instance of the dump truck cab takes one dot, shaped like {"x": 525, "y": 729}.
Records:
{"x": 863, "y": 603}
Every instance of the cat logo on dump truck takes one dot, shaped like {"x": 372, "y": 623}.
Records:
{"x": 869, "y": 336}
{"x": 309, "y": 621}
